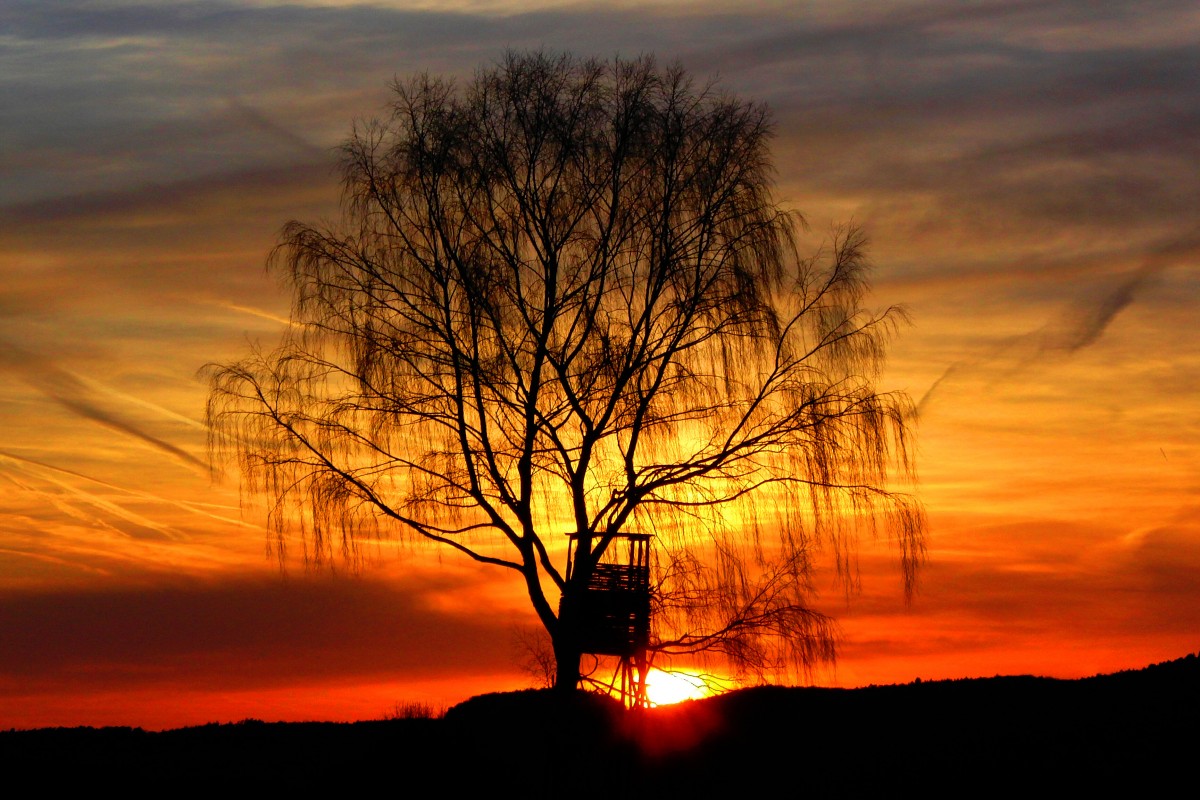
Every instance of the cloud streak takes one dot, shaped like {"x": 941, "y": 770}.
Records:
{"x": 137, "y": 526}
{"x": 1079, "y": 327}
{"x": 41, "y": 470}
{"x": 71, "y": 393}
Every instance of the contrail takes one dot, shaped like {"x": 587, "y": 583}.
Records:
{"x": 138, "y": 401}
{"x": 57, "y": 501}
{"x": 95, "y": 501}
{"x": 71, "y": 393}
{"x": 1079, "y": 328}
{"x": 259, "y": 120}
{"x": 88, "y": 411}
{"x": 257, "y": 312}
{"x": 200, "y": 509}
{"x": 1093, "y": 319}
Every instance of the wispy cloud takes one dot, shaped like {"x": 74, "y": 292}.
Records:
{"x": 257, "y": 312}
{"x": 83, "y": 505}
{"x": 70, "y": 392}
{"x": 1079, "y": 326}
{"x": 52, "y": 473}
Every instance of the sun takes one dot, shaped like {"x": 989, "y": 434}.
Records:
{"x": 664, "y": 688}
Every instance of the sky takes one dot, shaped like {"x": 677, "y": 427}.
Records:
{"x": 1028, "y": 173}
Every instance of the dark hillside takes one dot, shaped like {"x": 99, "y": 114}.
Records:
{"x": 1135, "y": 728}
{"x": 1005, "y": 731}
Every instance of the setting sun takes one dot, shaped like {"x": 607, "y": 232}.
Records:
{"x": 664, "y": 688}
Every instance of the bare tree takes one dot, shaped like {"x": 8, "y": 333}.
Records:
{"x": 534, "y": 655}
{"x": 562, "y": 299}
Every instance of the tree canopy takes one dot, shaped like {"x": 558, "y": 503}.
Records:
{"x": 562, "y": 299}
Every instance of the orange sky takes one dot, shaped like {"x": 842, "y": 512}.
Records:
{"x": 1029, "y": 177}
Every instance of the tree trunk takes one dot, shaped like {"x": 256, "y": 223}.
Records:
{"x": 566, "y": 677}
{"x": 567, "y": 653}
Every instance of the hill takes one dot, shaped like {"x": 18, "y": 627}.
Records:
{"x": 1016, "y": 732}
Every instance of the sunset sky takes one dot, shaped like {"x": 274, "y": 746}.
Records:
{"x": 1028, "y": 173}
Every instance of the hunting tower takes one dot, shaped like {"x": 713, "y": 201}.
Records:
{"x": 614, "y": 610}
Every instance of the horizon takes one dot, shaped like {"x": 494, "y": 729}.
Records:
{"x": 1026, "y": 175}
{"x": 421, "y": 711}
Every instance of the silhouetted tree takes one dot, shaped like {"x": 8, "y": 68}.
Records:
{"x": 562, "y": 299}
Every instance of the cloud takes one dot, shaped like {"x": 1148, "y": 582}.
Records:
{"x": 68, "y": 391}
{"x": 281, "y": 133}
{"x": 84, "y": 506}
{"x": 1080, "y": 326}
{"x": 1167, "y": 558}
{"x": 238, "y": 633}
{"x": 1088, "y": 320}
{"x": 48, "y": 473}
{"x": 1039, "y": 594}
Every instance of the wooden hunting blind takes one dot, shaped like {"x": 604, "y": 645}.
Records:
{"x": 613, "y": 608}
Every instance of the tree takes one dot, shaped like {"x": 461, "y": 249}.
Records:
{"x": 562, "y": 299}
